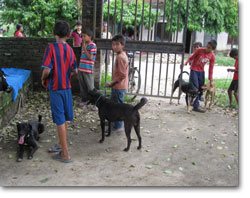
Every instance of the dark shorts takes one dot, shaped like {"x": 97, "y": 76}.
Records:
{"x": 61, "y": 106}
{"x": 234, "y": 86}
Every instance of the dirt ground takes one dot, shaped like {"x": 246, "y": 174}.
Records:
{"x": 179, "y": 149}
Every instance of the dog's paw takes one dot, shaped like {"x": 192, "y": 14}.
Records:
{"x": 138, "y": 147}
{"x": 101, "y": 141}
{"x": 30, "y": 157}
{"x": 107, "y": 135}
{"x": 19, "y": 159}
{"x": 126, "y": 149}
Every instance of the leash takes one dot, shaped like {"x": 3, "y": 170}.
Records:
{"x": 222, "y": 88}
{"x": 98, "y": 100}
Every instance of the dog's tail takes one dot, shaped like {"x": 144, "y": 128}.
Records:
{"x": 141, "y": 103}
{"x": 183, "y": 73}
{"x": 39, "y": 118}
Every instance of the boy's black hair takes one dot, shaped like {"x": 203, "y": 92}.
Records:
{"x": 18, "y": 26}
{"x": 233, "y": 52}
{"x": 119, "y": 38}
{"x": 88, "y": 32}
{"x": 61, "y": 29}
{"x": 78, "y": 22}
{"x": 197, "y": 43}
{"x": 213, "y": 43}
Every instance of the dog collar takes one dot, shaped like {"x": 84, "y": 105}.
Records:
{"x": 98, "y": 100}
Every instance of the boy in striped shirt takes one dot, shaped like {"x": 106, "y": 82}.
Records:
{"x": 86, "y": 66}
{"x": 59, "y": 65}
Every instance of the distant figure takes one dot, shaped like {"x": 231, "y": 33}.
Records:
{"x": 106, "y": 35}
{"x": 18, "y": 32}
{"x": 77, "y": 34}
{"x": 234, "y": 84}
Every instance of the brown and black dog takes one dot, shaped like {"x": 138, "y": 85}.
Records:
{"x": 210, "y": 91}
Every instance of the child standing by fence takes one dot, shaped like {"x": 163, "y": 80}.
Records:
{"x": 86, "y": 67}
{"x": 119, "y": 81}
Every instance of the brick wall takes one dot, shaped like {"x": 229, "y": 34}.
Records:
{"x": 27, "y": 53}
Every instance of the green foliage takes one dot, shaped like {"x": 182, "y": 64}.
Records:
{"x": 172, "y": 12}
{"x": 231, "y": 22}
{"x": 197, "y": 8}
{"x": 213, "y": 16}
{"x": 38, "y": 16}
{"x": 129, "y": 9}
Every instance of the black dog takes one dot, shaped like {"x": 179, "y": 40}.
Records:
{"x": 111, "y": 111}
{"x": 188, "y": 88}
{"x": 28, "y": 135}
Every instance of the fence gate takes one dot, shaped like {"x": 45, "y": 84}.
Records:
{"x": 156, "y": 36}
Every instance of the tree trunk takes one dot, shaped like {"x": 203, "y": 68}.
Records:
{"x": 232, "y": 42}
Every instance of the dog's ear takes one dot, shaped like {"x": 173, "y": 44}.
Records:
{"x": 18, "y": 125}
{"x": 30, "y": 127}
{"x": 40, "y": 128}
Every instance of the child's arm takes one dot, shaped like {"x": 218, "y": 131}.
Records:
{"x": 192, "y": 57}
{"x": 90, "y": 56}
{"x": 210, "y": 72}
{"x": 47, "y": 65}
{"x": 45, "y": 76}
{"x": 74, "y": 70}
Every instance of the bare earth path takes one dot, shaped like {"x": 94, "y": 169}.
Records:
{"x": 179, "y": 149}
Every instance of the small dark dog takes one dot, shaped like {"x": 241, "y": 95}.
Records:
{"x": 188, "y": 88}
{"x": 28, "y": 135}
{"x": 111, "y": 111}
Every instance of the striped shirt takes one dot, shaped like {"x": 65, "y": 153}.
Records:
{"x": 86, "y": 65}
{"x": 60, "y": 59}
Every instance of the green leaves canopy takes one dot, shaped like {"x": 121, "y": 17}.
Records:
{"x": 38, "y": 16}
{"x": 213, "y": 16}
{"x": 129, "y": 9}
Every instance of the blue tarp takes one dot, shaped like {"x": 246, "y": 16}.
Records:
{"x": 16, "y": 78}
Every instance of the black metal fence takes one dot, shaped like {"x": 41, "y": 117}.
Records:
{"x": 156, "y": 34}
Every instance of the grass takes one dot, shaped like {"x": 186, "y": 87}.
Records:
{"x": 221, "y": 96}
{"x": 222, "y": 60}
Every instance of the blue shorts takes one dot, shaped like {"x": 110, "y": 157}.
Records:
{"x": 61, "y": 106}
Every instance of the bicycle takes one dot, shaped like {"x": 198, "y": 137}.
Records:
{"x": 134, "y": 77}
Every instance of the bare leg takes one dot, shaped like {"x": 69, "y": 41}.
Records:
{"x": 230, "y": 96}
{"x": 62, "y": 134}
{"x": 236, "y": 97}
